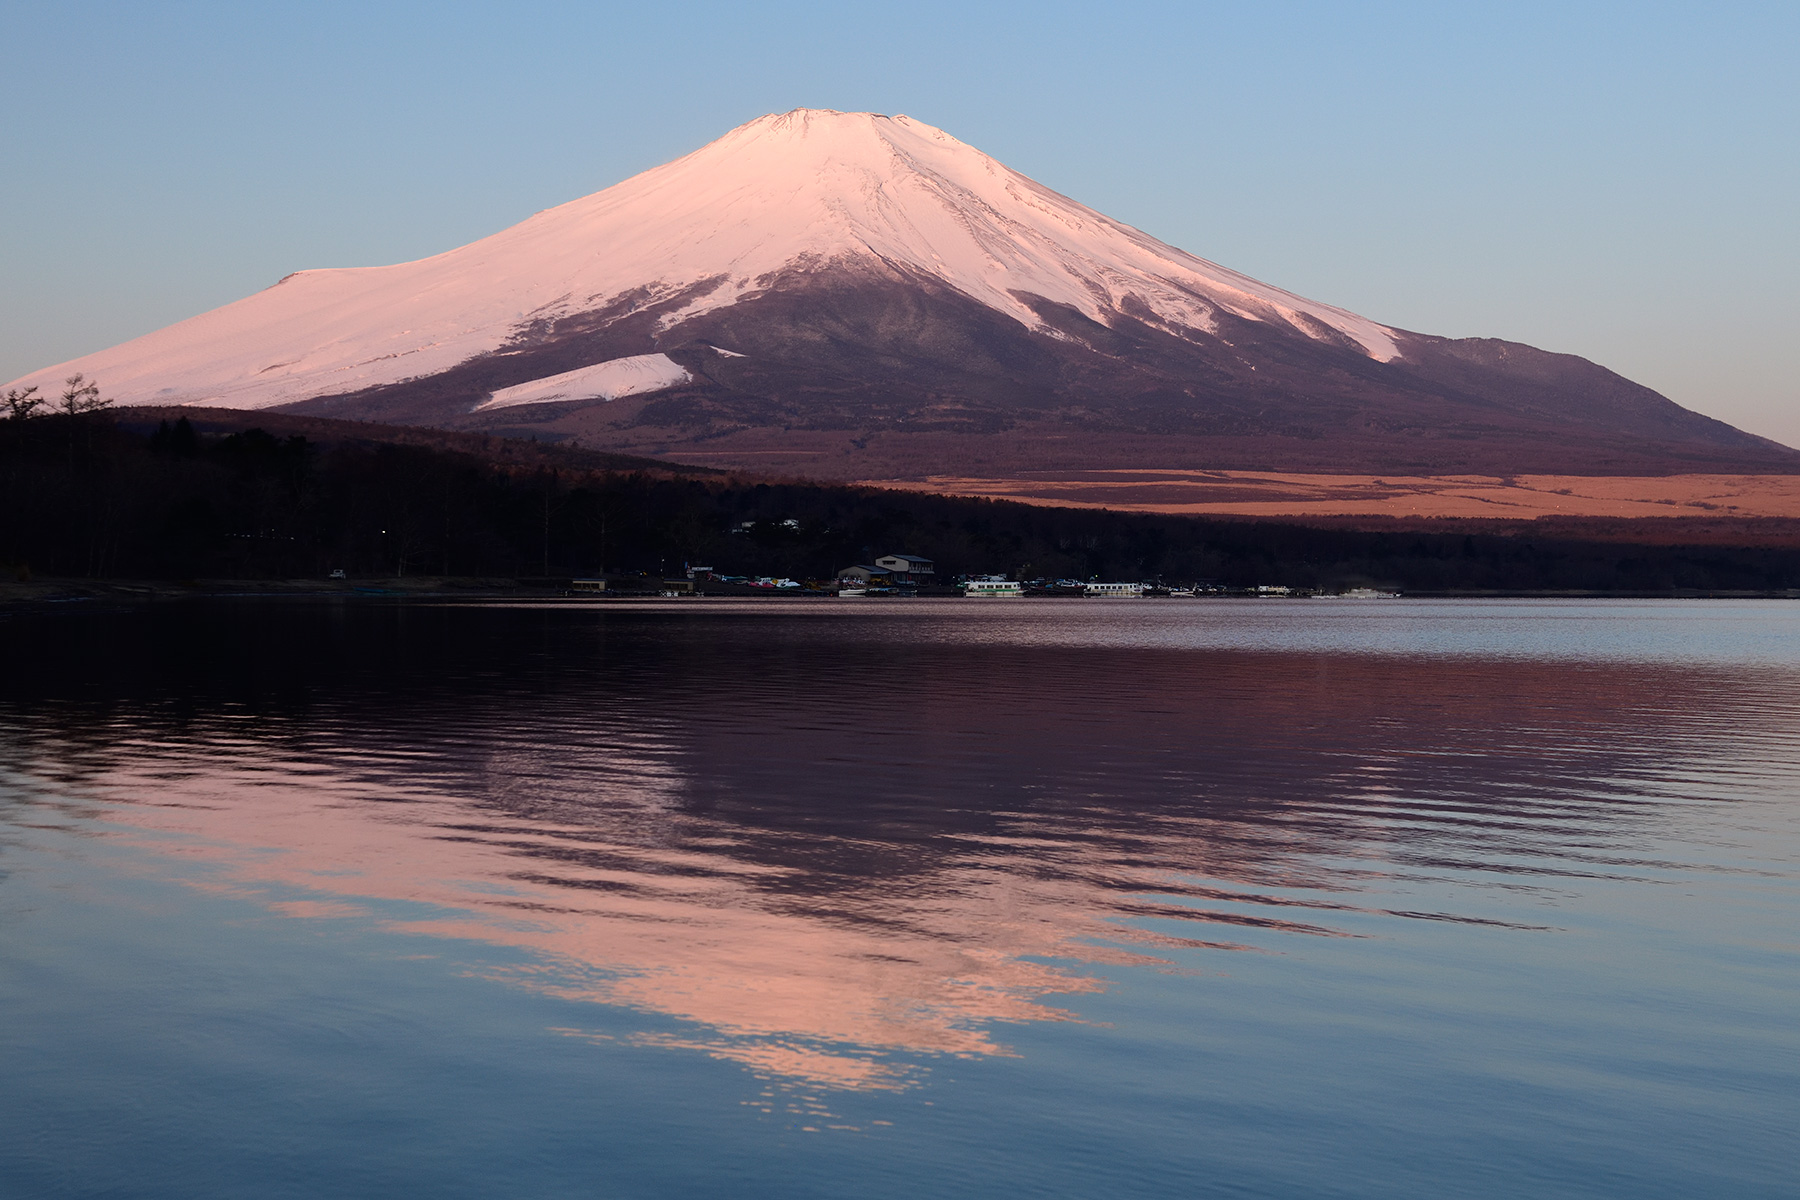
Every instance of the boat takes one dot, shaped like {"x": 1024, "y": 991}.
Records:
{"x": 1113, "y": 589}
{"x": 998, "y": 588}
{"x": 852, "y": 591}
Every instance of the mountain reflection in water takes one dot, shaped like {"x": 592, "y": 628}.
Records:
{"x": 840, "y": 845}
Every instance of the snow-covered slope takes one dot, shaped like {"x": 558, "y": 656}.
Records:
{"x": 800, "y": 191}
{"x": 614, "y": 379}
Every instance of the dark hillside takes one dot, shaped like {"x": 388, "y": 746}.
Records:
{"x": 555, "y": 452}
{"x": 114, "y": 495}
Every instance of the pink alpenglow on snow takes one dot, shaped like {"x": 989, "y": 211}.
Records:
{"x": 783, "y": 192}
{"x": 856, "y": 296}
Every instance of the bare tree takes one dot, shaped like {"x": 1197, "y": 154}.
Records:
{"x": 81, "y": 395}
{"x": 553, "y": 503}
{"x": 21, "y": 402}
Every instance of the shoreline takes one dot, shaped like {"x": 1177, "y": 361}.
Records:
{"x": 49, "y": 595}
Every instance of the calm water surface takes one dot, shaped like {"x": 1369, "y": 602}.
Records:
{"x": 1081, "y": 899}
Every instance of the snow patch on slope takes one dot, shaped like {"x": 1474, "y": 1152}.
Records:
{"x": 610, "y": 380}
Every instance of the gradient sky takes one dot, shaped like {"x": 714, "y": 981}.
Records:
{"x": 1620, "y": 181}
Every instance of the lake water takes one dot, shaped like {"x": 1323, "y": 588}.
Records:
{"x": 898, "y": 899}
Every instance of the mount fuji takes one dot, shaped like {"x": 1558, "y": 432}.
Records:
{"x": 851, "y": 295}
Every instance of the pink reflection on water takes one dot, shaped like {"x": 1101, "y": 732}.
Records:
{"x": 785, "y": 986}
{"x": 703, "y": 861}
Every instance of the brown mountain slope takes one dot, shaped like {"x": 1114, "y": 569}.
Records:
{"x": 859, "y": 373}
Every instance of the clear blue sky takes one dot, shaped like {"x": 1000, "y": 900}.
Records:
{"x": 1616, "y": 180}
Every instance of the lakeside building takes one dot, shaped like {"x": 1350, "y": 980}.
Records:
{"x": 907, "y": 568}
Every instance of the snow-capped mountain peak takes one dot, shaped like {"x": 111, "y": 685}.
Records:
{"x": 863, "y": 296}
{"x": 786, "y": 193}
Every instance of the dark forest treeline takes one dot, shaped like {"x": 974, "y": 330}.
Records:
{"x": 89, "y": 496}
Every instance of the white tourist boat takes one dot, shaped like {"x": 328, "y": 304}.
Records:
{"x": 1000, "y": 588}
{"x": 1113, "y": 589}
